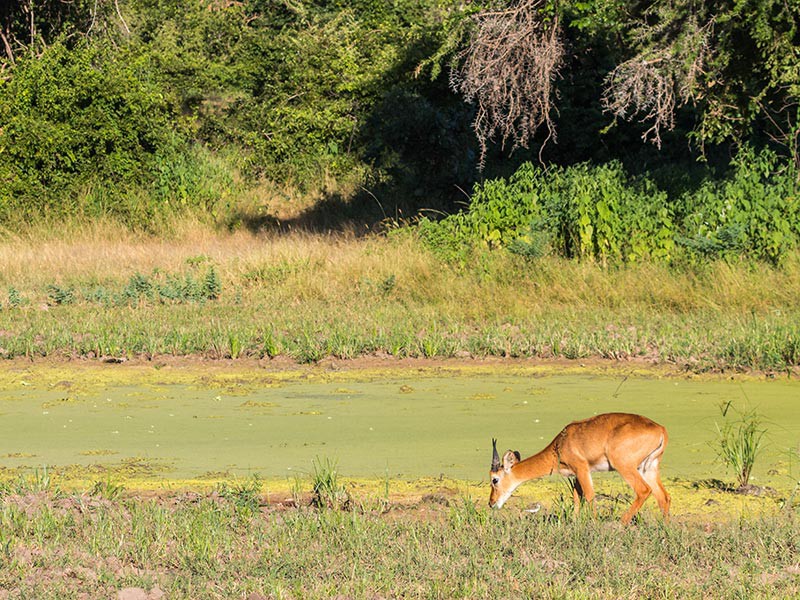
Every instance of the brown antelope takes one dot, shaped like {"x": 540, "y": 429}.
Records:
{"x": 629, "y": 444}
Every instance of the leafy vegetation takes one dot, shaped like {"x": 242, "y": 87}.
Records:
{"x": 137, "y": 110}
{"x": 601, "y": 213}
{"x": 328, "y": 491}
{"x": 739, "y": 443}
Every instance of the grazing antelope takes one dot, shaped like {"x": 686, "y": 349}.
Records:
{"x": 629, "y": 444}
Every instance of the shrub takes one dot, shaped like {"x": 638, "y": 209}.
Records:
{"x": 599, "y": 212}
{"x": 328, "y": 492}
{"x": 583, "y": 211}
{"x": 88, "y": 131}
{"x": 754, "y": 212}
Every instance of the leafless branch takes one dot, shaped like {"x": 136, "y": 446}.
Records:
{"x": 661, "y": 78}
{"x": 7, "y": 45}
{"x": 508, "y": 70}
{"x": 119, "y": 14}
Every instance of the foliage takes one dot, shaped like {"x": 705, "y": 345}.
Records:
{"x": 599, "y": 212}
{"x": 245, "y": 496}
{"x": 584, "y": 211}
{"x": 732, "y": 66}
{"x": 327, "y": 490}
{"x": 739, "y": 442}
{"x": 84, "y": 131}
{"x": 29, "y": 26}
{"x": 141, "y": 109}
{"x": 754, "y": 212}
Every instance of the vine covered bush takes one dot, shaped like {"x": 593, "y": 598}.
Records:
{"x": 85, "y": 134}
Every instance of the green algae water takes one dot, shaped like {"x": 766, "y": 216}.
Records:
{"x": 408, "y": 424}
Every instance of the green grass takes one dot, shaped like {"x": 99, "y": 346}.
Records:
{"x": 310, "y": 297}
{"x": 214, "y": 547}
{"x": 314, "y": 330}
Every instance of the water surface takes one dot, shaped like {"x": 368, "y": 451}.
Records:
{"x": 405, "y": 426}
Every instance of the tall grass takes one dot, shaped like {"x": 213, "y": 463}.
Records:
{"x": 311, "y": 296}
{"x": 740, "y": 440}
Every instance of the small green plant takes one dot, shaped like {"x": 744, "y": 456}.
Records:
{"x": 234, "y": 345}
{"x": 327, "y": 491}
{"x": 739, "y": 442}
{"x": 14, "y": 297}
{"x": 563, "y": 508}
{"x": 466, "y": 513}
{"x": 139, "y": 285}
{"x": 194, "y": 261}
{"x": 388, "y": 285}
{"x": 212, "y": 287}
{"x": 535, "y": 243}
{"x": 107, "y": 489}
{"x": 245, "y": 496}
{"x": 37, "y": 482}
{"x": 271, "y": 347}
{"x": 57, "y": 295}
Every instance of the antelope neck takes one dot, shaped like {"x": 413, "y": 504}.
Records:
{"x": 538, "y": 465}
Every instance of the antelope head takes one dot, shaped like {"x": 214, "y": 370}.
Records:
{"x": 502, "y": 481}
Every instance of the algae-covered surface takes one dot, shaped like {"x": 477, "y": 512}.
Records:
{"x": 170, "y": 424}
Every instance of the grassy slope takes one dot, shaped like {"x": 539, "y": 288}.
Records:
{"x": 313, "y": 296}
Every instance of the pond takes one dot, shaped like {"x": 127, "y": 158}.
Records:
{"x": 400, "y": 424}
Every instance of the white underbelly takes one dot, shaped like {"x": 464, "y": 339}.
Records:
{"x": 601, "y": 465}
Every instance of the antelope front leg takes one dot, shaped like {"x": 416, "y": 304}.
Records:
{"x": 577, "y": 494}
{"x": 583, "y": 482}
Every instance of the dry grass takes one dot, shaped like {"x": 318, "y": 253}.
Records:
{"x": 311, "y": 295}
{"x": 334, "y": 267}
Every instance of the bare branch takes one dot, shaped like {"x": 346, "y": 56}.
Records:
{"x": 666, "y": 75}
{"x": 119, "y": 14}
{"x": 509, "y": 71}
{"x": 9, "y": 52}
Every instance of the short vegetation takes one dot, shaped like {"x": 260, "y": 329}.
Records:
{"x": 224, "y": 546}
{"x": 740, "y": 440}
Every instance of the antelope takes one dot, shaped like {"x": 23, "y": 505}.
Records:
{"x": 630, "y": 444}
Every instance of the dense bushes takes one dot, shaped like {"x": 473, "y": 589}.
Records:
{"x": 124, "y": 123}
{"x": 141, "y": 108}
{"x": 87, "y": 133}
{"x": 600, "y": 213}
{"x": 753, "y": 212}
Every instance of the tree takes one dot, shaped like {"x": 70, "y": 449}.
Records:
{"x": 732, "y": 65}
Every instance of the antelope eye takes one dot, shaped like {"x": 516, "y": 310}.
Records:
{"x": 495, "y": 480}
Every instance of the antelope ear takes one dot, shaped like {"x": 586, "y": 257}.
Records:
{"x": 510, "y": 459}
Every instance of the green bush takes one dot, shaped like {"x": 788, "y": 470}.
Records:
{"x": 739, "y": 443}
{"x": 754, "y": 212}
{"x": 599, "y": 212}
{"x": 89, "y": 132}
{"x": 583, "y": 211}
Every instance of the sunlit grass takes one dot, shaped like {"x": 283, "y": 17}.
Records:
{"x": 225, "y": 546}
{"x": 310, "y": 296}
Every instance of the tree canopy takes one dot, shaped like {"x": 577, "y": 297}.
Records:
{"x": 109, "y": 106}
